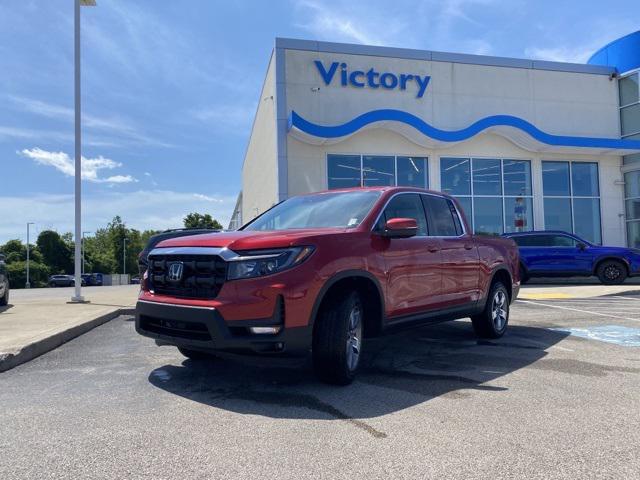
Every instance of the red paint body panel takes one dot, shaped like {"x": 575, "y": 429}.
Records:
{"x": 414, "y": 275}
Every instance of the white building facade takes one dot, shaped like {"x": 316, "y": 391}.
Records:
{"x": 522, "y": 144}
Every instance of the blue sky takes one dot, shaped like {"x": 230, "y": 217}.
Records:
{"x": 170, "y": 88}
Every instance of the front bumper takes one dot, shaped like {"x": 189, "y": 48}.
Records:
{"x": 204, "y": 328}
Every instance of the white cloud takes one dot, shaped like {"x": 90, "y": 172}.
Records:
{"x": 328, "y": 23}
{"x": 119, "y": 127}
{"x": 143, "y": 209}
{"x": 90, "y": 166}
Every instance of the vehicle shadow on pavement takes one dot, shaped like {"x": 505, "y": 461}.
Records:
{"x": 5, "y": 308}
{"x": 398, "y": 371}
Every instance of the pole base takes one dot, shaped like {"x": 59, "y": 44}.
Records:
{"x": 79, "y": 299}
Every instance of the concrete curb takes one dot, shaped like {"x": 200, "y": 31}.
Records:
{"x": 35, "y": 349}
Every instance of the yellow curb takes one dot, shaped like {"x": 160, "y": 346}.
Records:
{"x": 545, "y": 296}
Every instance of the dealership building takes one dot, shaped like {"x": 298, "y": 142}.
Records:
{"x": 522, "y": 144}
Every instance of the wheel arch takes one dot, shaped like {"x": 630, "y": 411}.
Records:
{"x": 366, "y": 284}
{"x": 622, "y": 260}
{"x": 502, "y": 273}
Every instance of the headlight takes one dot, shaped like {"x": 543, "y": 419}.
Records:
{"x": 266, "y": 262}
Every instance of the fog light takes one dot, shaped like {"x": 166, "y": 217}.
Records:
{"x": 264, "y": 330}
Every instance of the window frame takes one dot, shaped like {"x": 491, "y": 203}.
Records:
{"x": 374, "y": 227}
{"x": 571, "y": 196}
{"x": 503, "y": 196}
{"x": 427, "y": 176}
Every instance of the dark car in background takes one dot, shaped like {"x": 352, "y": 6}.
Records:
{"x": 166, "y": 235}
{"x": 92, "y": 279}
{"x": 4, "y": 282}
{"x": 562, "y": 254}
{"x": 63, "y": 281}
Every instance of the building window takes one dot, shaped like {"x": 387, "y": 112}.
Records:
{"x": 632, "y": 207}
{"x": 630, "y": 112}
{"x": 495, "y": 194}
{"x": 572, "y": 198}
{"x": 344, "y": 171}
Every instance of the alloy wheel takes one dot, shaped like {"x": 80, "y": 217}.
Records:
{"x": 354, "y": 337}
{"x": 499, "y": 310}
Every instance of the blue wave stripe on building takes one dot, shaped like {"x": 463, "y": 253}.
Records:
{"x": 385, "y": 115}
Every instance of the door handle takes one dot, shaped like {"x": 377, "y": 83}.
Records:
{"x": 468, "y": 246}
{"x": 433, "y": 249}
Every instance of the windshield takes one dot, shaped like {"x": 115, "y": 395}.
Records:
{"x": 324, "y": 210}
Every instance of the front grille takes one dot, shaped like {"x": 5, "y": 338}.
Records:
{"x": 175, "y": 328}
{"x": 202, "y": 276}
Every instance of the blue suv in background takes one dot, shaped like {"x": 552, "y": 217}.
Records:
{"x": 562, "y": 254}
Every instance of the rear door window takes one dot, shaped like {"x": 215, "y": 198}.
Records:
{"x": 442, "y": 217}
{"x": 561, "y": 241}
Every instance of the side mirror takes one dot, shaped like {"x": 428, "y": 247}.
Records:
{"x": 400, "y": 228}
{"x": 581, "y": 246}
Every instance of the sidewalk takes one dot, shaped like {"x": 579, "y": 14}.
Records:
{"x": 39, "y": 320}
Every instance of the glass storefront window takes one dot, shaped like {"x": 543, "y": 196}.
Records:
{"x": 495, "y": 194}
{"x": 633, "y": 209}
{"x": 630, "y": 118}
{"x": 557, "y": 214}
{"x": 465, "y": 204}
{"x": 517, "y": 177}
{"x": 487, "y": 215}
{"x": 629, "y": 92}
{"x": 455, "y": 174}
{"x": 586, "y": 218}
{"x": 378, "y": 171}
{"x": 571, "y": 198}
{"x": 346, "y": 171}
{"x": 632, "y": 184}
{"x": 343, "y": 171}
{"x": 633, "y": 234}
{"x": 634, "y": 158}
{"x": 518, "y": 214}
{"x": 584, "y": 178}
{"x": 487, "y": 177}
{"x": 412, "y": 171}
{"x": 555, "y": 179}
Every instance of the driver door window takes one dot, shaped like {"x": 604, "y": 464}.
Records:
{"x": 406, "y": 205}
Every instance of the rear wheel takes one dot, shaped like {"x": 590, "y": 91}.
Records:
{"x": 612, "y": 272}
{"x": 196, "y": 354}
{"x": 337, "y": 339}
{"x": 493, "y": 321}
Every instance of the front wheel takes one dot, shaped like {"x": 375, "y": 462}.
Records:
{"x": 4, "y": 300}
{"x": 337, "y": 339}
{"x": 493, "y": 321}
{"x": 612, "y": 272}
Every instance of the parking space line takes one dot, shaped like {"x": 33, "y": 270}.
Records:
{"x": 579, "y": 310}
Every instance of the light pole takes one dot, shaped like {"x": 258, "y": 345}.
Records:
{"x": 83, "y": 256}
{"x": 124, "y": 256}
{"x": 28, "y": 283}
{"x": 77, "y": 297}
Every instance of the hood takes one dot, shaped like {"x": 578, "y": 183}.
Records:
{"x": 251, "y": 240}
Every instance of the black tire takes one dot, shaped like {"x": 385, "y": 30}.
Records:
{"x": 337, "y": 339}
{"x": 612, "y": 272}
{"x": 485, "y": 324}
{"x": 4, "y": 300}
{"x": 524, "y": 276}
{"x": 196, "y": 355}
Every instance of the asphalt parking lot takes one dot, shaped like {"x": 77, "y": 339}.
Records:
{"x": 543, "y": 402}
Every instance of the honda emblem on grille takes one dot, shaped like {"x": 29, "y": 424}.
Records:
{"x": 175, "y": 271}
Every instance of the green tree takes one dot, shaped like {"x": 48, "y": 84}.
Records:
{"x": 38, "y": 274}
{"x": 16, "y": 251}
{"x": 56, "y": 252}
{"x": 199, "y": 220}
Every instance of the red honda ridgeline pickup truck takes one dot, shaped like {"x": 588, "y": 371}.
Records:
{"x": 319, "y": 273}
